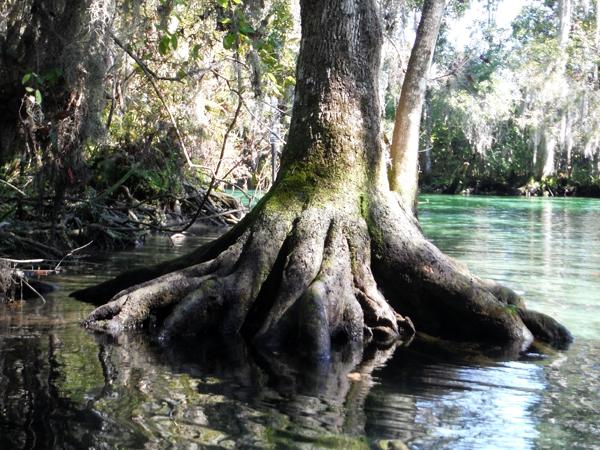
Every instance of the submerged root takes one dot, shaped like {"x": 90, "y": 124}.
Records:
{"x": 325, "y": 276}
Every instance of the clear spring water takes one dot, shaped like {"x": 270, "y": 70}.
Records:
{"x": 64, "y": 388}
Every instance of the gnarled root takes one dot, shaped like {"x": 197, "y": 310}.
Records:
{"x": 442, "y": 297}
{"x": 303, "y": 280}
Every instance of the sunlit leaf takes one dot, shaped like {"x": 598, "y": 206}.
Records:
{"x": 223, "y": 3}
{"x": 26, "y": 78}
{"x": 210, "y": 105}
{"x": 38, "y": 97}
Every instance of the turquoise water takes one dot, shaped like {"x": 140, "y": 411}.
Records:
{"x": 64, "y": 388}
{"x": 546, "y": 249}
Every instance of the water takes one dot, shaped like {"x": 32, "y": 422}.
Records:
{"x": 64, "y": 388}
{"x": 546, "y": 249}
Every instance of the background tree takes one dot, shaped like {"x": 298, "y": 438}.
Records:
{"x": 122, "y": 117}
{"x": 405, "y": 139}
{"x": 51, "y": 77}
{"x": 520, "y": 107}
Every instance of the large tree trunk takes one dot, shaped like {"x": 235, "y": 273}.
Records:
{"x": 329, "y": 254}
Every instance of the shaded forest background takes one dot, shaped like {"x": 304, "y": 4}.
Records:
{"x": 117, "y": 118}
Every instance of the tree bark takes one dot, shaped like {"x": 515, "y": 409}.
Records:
{"x": 404, "y": 151}
{"x": 564, "y": 22}
{"x": 329, "y": 256}
{"x": 428, "y": 133}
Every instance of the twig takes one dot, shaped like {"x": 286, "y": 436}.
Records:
{"x": 22, "y": 261}
{"x": 23, "y": 280}
{"x": 151, "y": 75}
{"x": 453, "y": 71}
{"x": 15, "y": 188}
{"x": 396, "y": 48}
{"x": 214, "y": 177}
{"x": 114, "y": 100}
{"x": 70, "y": 253}
{"x": 228, "y": 82}
{"x": 31, "y": 243}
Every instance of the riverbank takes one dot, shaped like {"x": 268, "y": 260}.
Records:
{"x": 38, "y": 235}
{"x": 548, "y": 187}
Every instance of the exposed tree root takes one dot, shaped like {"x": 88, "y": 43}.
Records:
{"x": 301, "y": 278}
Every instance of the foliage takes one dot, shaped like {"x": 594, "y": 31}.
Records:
{"x": 163, "y": 100}
{"x": 520, "y": 106}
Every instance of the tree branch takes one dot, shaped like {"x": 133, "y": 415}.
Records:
{"x": 151, "y": 75}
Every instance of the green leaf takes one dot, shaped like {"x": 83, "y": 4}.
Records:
{"x": 272, "y": 77}
{"x": 29, "y": 89}
{"x": 245, "y": 29}
{"x": 237, "y": 2}
{"x": 210, "y": 105}
{"x": 229, "y": 40}
{"x": 163, "y": 46}
{"x": 162, "y": 49}
{"x": 38, "y": 97}
{"x": 223, "y": 3}
{"x": 26, "y": 78}
{"x": 227, "y": 20}
{"x": 174, "y": 42}
{"x": 289, "y": 81}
